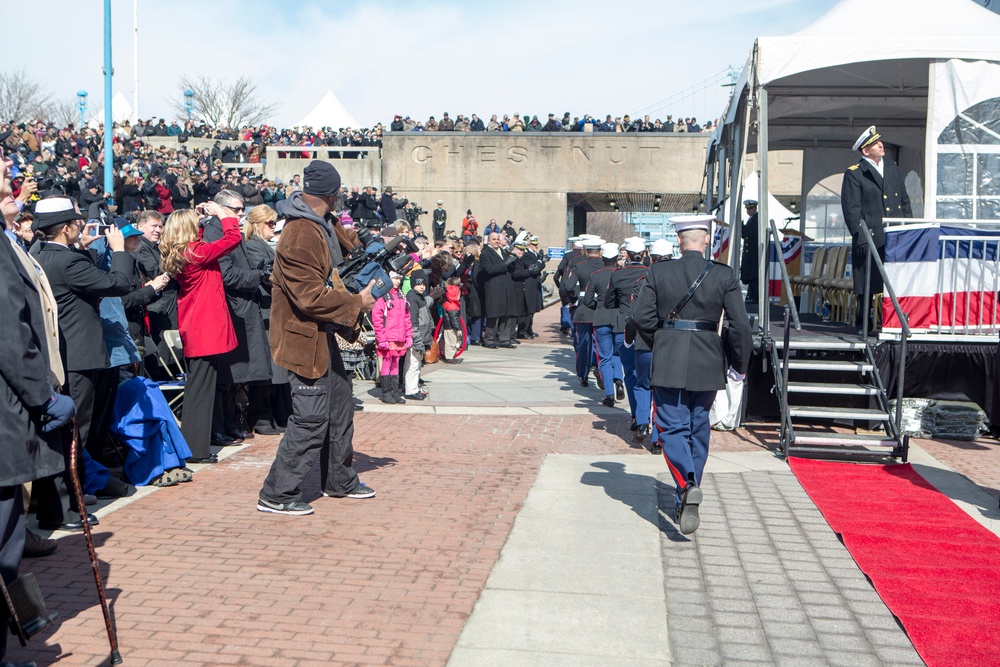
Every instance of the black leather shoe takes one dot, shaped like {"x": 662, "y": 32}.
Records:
{"x": 415, "y": 397}
{"x": 655, "y": 447}
{"x": 584, "y": 382}
{"x": 237, "y": 434}
{"x": 70, "y": 526}
{"x": 264, "y": 428}
{"x": 609, "y": 401}
{"x": 641, "y": 433}
{"x": 633, "y": 426}
{"x": 619, "y": 390}
{"x": 208, "y": 459}
{"x": 690, "y": 500}
{"x": 509, "y": 346}
{"x": 223, "y": 440}
{"x": 490, "y": 346}
{"x": 514, "y": 341}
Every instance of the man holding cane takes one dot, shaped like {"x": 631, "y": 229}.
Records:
{"x": 310, "y": 303}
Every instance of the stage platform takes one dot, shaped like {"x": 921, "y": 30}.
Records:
{"x": 960, "y": 369}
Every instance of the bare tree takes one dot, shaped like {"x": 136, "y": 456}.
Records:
{"x": 609, "y": 226}
{"x": 22, "y": 98}
{"x": 223, "y": 104}
{"x": 64, "y": 113}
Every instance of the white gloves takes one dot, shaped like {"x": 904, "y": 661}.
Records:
{"x": 733, "y": 375}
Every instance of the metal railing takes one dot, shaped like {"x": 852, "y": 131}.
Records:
{"x": 970, "y": 272}
{"x": 871, "y": 256}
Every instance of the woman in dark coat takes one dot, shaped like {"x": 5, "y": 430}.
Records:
{"x": 270, "y": 404}
{"x": 131, "y": 195}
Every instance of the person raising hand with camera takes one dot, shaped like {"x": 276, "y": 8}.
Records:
{"x": 309, "y": 303}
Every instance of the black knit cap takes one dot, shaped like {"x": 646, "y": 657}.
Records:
{"x": 320, "y": 179}
{"x": 418, "y": 277}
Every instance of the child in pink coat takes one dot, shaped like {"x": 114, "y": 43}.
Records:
{"x": 393, "y": 337}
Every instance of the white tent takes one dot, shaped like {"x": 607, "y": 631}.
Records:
{"x": 329, "y": 113}
{"x": 121, "y": 110}
{"x": 895, "y": 64}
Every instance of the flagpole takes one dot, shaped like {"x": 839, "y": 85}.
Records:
{"x": 109, "y": 156}
{"x": 135, "y": 59}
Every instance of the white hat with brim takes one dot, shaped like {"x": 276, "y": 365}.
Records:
{"x": 683, "y": 223}
{"x": 661, "y": 248}
{"x": 609, "y": 250}
{"x": 635, "y": 244}
{"x": 867, "y": 138}
{"x": 593, "y": 244}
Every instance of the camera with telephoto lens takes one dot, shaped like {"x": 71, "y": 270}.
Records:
{"x": 373, "y": 260}
{"x": 413, "y": 213}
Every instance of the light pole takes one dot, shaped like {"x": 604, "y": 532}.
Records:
{"x": 189, "y": 102}
{"x": 109, "y": 156}
{"x": 81, "y": 103}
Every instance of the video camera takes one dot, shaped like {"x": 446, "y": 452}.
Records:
{"x": 373, "y": 260}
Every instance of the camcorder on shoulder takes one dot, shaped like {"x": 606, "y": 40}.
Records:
{"x": 373, "y": 260}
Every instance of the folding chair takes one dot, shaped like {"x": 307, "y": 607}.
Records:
{"x": 173, "y": 364}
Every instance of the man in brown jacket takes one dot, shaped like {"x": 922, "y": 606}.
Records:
{"x": 308, "y": 304}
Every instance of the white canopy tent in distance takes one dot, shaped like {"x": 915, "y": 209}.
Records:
{"x": 926, "y": 73}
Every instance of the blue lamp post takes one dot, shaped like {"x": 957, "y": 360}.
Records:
{"x": 189, "y": 102}
{"x": 81, "y": 103}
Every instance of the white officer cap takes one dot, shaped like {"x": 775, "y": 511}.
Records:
{"x": 867, "y": 138}
{"x": 661, "y": 248}
{"x": 589, "y": 236}
{"x": 609, "y": 250}
{"x": 683, "y": 223}
{"x": 749, "y": 202}
{"x": 578, "y": 243}
{"x": 593, "y": 244}
{"x": 635, "y": 244}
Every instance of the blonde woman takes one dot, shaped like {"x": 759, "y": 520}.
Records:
{"x": 202, "y": 314}
{"x": 270, "y": 403}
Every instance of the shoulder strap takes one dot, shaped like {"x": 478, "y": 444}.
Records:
{"x": 691, "y": 290}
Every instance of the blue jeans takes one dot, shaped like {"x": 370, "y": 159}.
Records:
{"x": 683, "y": 428}
{"x": 605, "y": 345}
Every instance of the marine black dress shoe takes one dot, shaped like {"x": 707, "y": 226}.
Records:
{"x": 641, "y": 433}
{"x": 655, "y": 447}
{"x": 633, "y": 426}
{"x": 70, "y": 526}
{"x": 690, "y": 500}
{"x": 609, "y": 401}
{"x": 619, "y": 390}
{"x": 584, "y": 382}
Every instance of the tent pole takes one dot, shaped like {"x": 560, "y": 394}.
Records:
{"x": 762, "y": 220}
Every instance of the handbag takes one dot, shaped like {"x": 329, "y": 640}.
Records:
{"x": 432, "y": 353}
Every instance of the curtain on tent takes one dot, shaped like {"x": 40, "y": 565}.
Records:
{"x": 963, "y": 141}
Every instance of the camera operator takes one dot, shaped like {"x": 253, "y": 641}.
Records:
{"x": 310, "y": 302}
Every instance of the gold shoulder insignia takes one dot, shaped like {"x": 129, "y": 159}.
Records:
{"x": 853, "y": 167}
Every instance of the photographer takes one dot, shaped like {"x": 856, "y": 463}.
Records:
{"x": 309, "y": 302}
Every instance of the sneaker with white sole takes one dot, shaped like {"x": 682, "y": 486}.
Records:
{"x": 296, "y": 508}
{"x": 358, "y": 493}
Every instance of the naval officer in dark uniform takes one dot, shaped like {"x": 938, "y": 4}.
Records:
{"x": 678, "y": 311}
{"x": 872, "y": 190}
{"x": 749, "y": 260}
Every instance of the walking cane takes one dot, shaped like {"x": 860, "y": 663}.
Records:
{"x": 116, "y": 657}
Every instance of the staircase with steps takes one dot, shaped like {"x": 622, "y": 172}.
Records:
{"x": 833, "y": 402}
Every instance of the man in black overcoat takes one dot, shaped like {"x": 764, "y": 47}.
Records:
{"x": 872, "y": 190}
{"x": 749, "y": 259}
{"x": 498, "y": 293}
{"x": 689, "y": 363}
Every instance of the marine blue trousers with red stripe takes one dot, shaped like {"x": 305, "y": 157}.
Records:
{"x": 609, "y": 364}
{"x": 683, "y": 428}
{"x": 643, "y": 395}
{"x": 583, "y": 341}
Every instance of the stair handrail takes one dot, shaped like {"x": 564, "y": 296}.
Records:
{"x": 786, "y": 419}
{"x": 872, "y": 256}
{"x": 773, "y": 229}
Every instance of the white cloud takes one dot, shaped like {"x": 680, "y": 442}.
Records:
{"x": 387, "y": 57}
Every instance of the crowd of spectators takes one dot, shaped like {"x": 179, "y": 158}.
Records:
{"x": 517, "y": 123}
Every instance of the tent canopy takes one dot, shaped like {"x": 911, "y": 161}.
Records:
{"x": 865, "y": 62}
{"x": 121, "y": 111}
{"x": 329, "y": 113}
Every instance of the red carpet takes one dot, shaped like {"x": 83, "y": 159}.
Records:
{"x": 936, "y": 569}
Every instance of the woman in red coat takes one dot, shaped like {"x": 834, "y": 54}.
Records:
{"x": 202, "y": 314}
{"x": 166, "y": 206}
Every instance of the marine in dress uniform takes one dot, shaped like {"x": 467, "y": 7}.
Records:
{"x": 678, "y": 310}
{"x": 619, "y": 299}
{"x": 583, "y": 316}
{"x": 605, "y": 322}
{"x": 660, "y": 250}
{"x": 872, "y": 190}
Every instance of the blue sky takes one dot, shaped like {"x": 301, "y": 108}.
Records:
{"x": 386, "y": 57}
